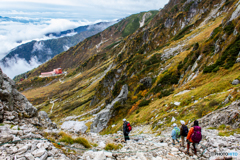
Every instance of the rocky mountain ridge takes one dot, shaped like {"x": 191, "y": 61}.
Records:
{"x": 19, "y": 121}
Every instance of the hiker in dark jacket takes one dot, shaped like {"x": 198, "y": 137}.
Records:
{"x": 125, "y": 130}
{"x": 194, "y": 136}
{"x": 183, "y": 132}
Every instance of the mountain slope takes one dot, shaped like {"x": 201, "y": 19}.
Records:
{"x": 179, "y": 65}
{"x": 97, "y": 44}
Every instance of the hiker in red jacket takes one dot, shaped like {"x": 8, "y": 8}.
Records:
{"x": 126, "y": 129}
{"x": 194, "y": 136}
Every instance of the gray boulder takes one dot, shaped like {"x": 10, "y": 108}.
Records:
{"x": 74, "y": 126}
{"x": 227, "y": 115}
{"x": 102, "y": 118}
{"x": 235, "y": 82}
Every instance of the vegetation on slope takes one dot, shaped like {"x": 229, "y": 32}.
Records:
{"x": 199, "y": 58}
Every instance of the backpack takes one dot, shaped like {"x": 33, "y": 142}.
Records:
{"x": 184, "y": 131}
{"x": 197, "y": 135}
{"x": 129, "y": 127}
{"x": 177, "y": 133}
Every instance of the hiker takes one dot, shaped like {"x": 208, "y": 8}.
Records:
{"x": 194, "y": 136}
{"x": 183, "y": 132}
{"x": 126, "y": 129}
{"x": 175, "y": 133}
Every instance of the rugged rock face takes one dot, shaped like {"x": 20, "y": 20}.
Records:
{"x": 15, "y": 108}
{"x": 102, "y": 118}
{"x": 20, "y": 120}
{"x": 14, "y": 105}
{"x": 228, "y": 115}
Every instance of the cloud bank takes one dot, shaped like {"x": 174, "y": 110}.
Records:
{"x": 19, "y": 66}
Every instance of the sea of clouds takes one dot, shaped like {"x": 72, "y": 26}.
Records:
{"x": 15, "y": 31}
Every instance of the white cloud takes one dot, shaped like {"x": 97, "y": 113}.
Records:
{"x": 12, "y": 32}
{"x": 19, "y": 66}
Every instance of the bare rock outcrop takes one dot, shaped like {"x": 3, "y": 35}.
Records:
{"x": 228, "y": 115}
{"x": 102, "y": 118}
{"x": 16, "y": 109}
{"x": 20, "y": 137}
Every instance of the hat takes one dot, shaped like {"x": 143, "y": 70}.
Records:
{"x": 174, "y": 125}
{"x": 124, "y": 119}
{"x": 182, "y": 122}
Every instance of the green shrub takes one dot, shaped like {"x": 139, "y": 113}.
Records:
{"x": 165, "y": 93}
{"x": 112, "y": 146}
{"x": 229, "y": 28}
{"x": 169, "y": 78}
{"x": 144, "y": 102}
{"x": 213, "y": 103}
{"x": 215, "y": 32}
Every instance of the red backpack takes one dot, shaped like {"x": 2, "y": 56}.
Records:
{"x": 129, "y": 127}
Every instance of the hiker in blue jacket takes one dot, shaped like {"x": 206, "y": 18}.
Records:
{"x": 175, "y": 133}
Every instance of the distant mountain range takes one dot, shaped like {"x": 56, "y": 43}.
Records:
{"x": 47, "y": 49}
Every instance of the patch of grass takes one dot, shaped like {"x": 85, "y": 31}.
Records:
{"x": 94, "y": 144}
{"x": 212, "y": 128}
{"x": 229, "y": 132}
{"x": 221, "y": 127}
{"x": 66, "y": 138}
{"x": 69, "y": 140}
{"x": 1, "y": 124}
{"x": 82, "y": 141}
{"x": 112, "y": 146}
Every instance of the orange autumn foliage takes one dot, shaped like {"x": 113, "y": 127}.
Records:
{"x": 134, "y": 107}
